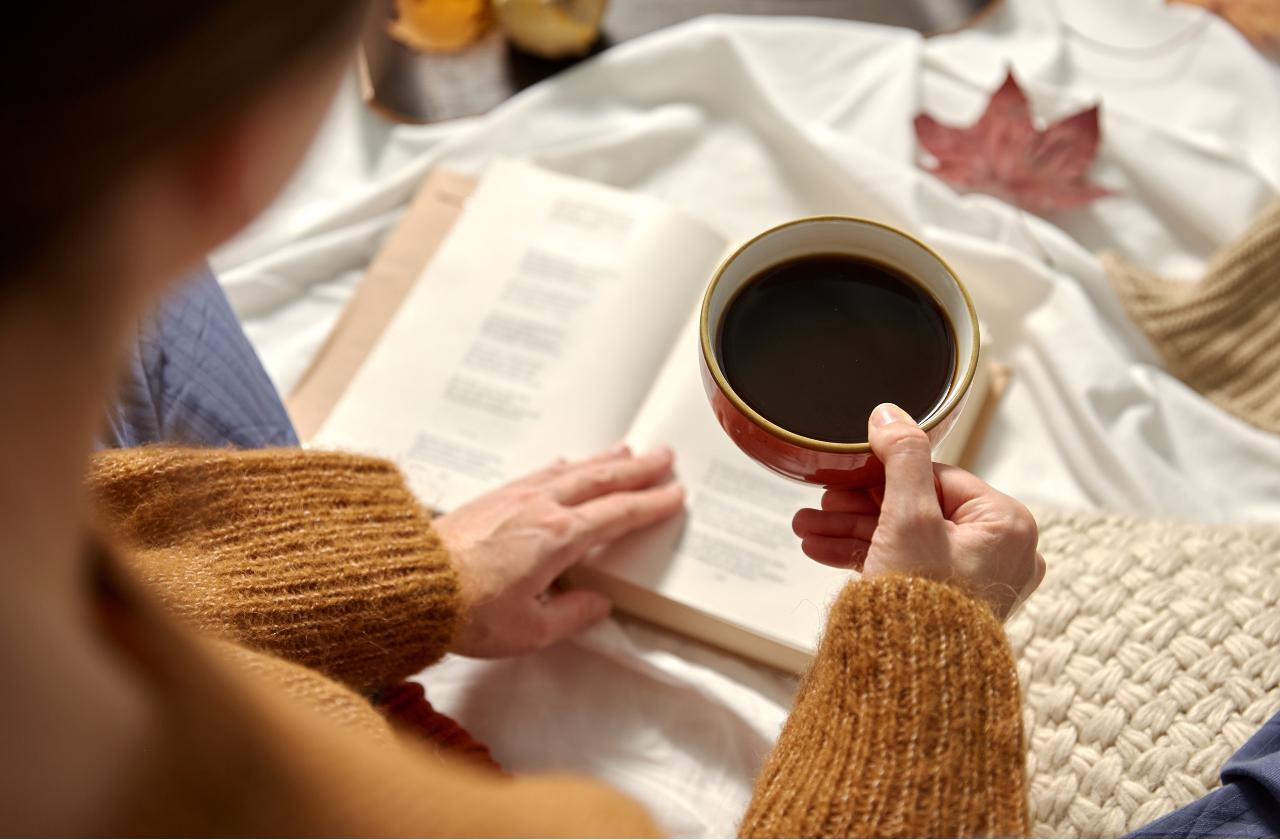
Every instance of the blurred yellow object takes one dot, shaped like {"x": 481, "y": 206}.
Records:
{"x": 440, "y": 25}
{"x": 551, "y": 28}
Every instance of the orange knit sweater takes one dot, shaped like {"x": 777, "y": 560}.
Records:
{"x": 302, "y": 582}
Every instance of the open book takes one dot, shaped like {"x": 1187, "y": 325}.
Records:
{"x": 559, "y": 316}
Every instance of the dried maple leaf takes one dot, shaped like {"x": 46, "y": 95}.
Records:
{"x": 1257, "y": 20}
{"x": 1004, "y": 154}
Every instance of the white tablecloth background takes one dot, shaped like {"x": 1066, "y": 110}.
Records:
{"x": 750, "y": 121}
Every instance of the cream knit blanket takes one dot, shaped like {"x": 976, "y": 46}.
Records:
{"x": 1150, "y": 653}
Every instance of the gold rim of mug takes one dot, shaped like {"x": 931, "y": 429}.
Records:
{"x": 713, "y": 364}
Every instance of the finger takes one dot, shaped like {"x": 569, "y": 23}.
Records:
{"x": 823, "y": 523}
{"x": 836, "y": 551}
{"x": 560, "y": 466}
{"x": 605, "y": 519}
{"x": 569, "y": 613}
{"x": 593, "y": 480}
{"x": 850, "y": 501}
{"x": 876, "y": 494}
{"x": 903, "y": 447}
{"x": 957, "y": 486}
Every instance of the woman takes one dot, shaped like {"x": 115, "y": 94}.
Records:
{"x": 191, "y": 637}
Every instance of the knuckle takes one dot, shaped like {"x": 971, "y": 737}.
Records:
{"x": 560, "y": 524}
{"x": 1021, "y": 527}
{"x": 601, "y": 479}
{"x": 907, "y": 439}
{"x": 604, "y": 479}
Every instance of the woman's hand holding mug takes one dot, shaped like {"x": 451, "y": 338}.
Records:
{"x": 930, "y": 520}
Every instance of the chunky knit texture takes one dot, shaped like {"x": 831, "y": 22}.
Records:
{"x": 323, "y": 559}
{"x": 1220, "y": 335}
{"x": 1149, "y": 656}
{"x": 908, "y": 723}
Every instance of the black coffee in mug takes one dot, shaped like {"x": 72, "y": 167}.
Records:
{"x": 815, "y": 343}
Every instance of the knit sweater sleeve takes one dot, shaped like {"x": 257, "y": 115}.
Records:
{"x": 908, "y": 724}
{"x": 323, "y": 559}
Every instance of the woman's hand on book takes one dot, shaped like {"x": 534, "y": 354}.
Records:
{"x": 510, "y": 545}
{"x": 929, "y": 520}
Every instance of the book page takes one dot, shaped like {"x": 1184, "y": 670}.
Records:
{"x": 536, "y": 331}
{"x": 733, "y": 556}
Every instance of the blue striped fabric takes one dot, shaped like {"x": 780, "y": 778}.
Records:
{"x": 194, "y": 379}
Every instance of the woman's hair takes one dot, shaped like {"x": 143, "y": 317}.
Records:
{"x": 97, "y": 86}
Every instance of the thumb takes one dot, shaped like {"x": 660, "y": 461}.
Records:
{"x": 569, "y": 613}
{"x": 903, "y": 448}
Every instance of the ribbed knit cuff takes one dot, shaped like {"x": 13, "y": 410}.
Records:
{"x": 324, "y": 559}
{"x": 908, "y": 724}
{"x": 1220, "y": 335}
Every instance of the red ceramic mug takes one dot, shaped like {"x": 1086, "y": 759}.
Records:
{"x": 795, "y": 456}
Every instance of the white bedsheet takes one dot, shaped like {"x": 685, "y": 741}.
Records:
{"x": 749, "y": 121}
